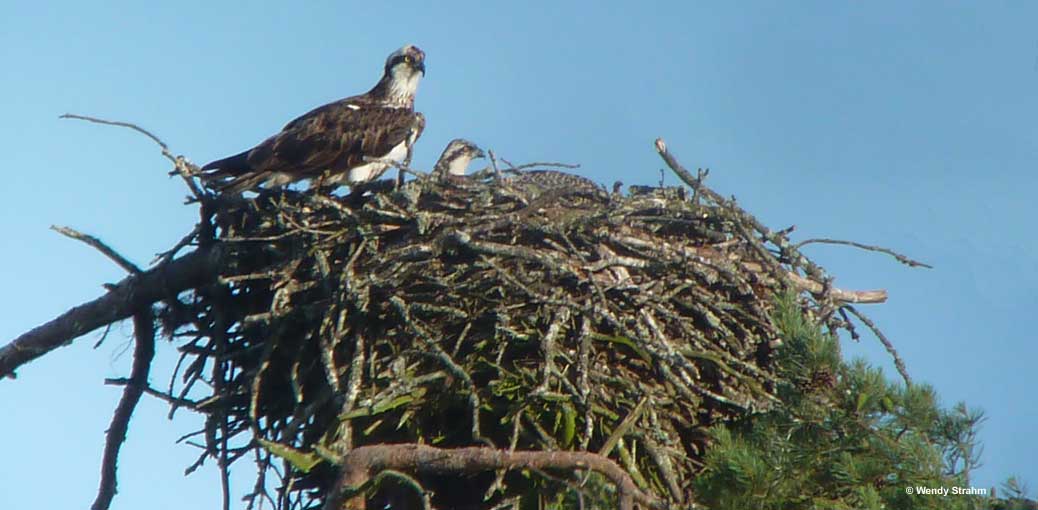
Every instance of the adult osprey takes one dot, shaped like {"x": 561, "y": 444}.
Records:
{"x": 454, "y": 161}
{"x": 341, "y": 141}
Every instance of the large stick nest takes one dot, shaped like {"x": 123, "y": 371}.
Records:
{"x": 481, "y": 313}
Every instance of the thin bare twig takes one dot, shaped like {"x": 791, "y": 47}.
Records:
{"x": 100, "y": 246}
{"x": 898, "y": 362}
{"x": 537, "y": 164}
{"x": 145, "y": 132}
{"x": 493, "y": 164}
{"x": 171, "y": 399}
{"x": 182, "y": 167}
{"x": 168, "y": 255}
{"x": 900, "y": 258}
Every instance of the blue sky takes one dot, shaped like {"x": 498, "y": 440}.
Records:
{"x": 905, "y": 124}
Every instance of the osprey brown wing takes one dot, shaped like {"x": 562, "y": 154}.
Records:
{"x": 335, "y": 137}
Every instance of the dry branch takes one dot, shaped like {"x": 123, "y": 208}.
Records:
{"x": 360, "y": 464}
{"x": 124, "y": 298}
{"x": 144, "y": 351}
{"x": 904, "y": 259}
{"x": 181, "y": 166}
{"x": 100, "y": 246}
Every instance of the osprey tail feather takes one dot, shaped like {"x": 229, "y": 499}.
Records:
{"x": 233, "y": 174}
{"x": 235, "y": 165}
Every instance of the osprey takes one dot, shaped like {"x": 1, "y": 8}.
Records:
{"x": 459, "y": 153}
{"x": 351, "y": 140}
{"x": 539, "y": 182}
{"x": 454, "y": 161}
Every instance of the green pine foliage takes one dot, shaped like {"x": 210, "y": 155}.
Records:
{"x": 844, "y": 438}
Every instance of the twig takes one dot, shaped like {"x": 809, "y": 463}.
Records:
{"x": 104, "y": 336}
{"x": 145, "y": 132}
{"x": 401, "y": 166}
{"x": 701, "y": 174}
{"x": 493, "y": 164}
{"x": 900, "y": 258}
{"x": 183, "y": 168}
{"x": 172, "y": 252}
{"x": 100, "y": 246}
{"x": 898, "y": 362}
{"x": 850, "y": 325}
{"x": 144, "y": 352}
{"x": 537, "y": 164}
{"x": 622, "y": 429}
{"x": 170, "y": 399}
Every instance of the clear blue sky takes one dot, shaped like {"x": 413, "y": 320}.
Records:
{"x": 904, "y": 124}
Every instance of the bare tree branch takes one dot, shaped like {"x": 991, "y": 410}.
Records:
{"x": 182, "y": 168}
{"x": 364, "y": 462}
{"x": 122, "y": 301}
{"x": 144, "y": 352}
{"x": 900, "y": 258}
{"x": 845, "y": 296}
{"x": 123, "y": 262}
{"x": 898, "y": 362}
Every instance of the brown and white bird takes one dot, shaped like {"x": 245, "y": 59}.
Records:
{"x": 348, "y": 141}
{"x": 455, "y": 160}
{"x": 536, "y": 183}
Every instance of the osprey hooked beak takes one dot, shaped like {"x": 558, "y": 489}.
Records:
{"x": 470, "y": 148}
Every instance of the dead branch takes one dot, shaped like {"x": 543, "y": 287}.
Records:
{"x": 904, "y": 259}
{"x": 144, "y": 352}
{"x": 125, "y": 297}
{"x": 537, "y": 164}
{"x": 121, "y": 261}
{"x": 181, "y": 166}
{"x": 898, "y": 362}
{"x": 845, "y": 296}
{"x": 360, "y": 464}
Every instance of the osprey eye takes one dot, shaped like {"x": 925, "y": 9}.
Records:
{"x": 408, "y": 59}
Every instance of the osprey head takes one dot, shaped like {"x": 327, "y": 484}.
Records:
{"x": 456, "y": 158}
{"x": 404, "y": 69}
{"x": 410, "y": 58}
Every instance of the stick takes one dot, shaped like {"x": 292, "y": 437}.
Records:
{"x": 900, "y": 258}
{"x": 121, "y": 261}
{"x": 361, "y": 463}
{"x": 143, "y": 353}
{"x": 182, "y": 167}
{"x": 122, "y": 301}
{"x": 898, "y": 362}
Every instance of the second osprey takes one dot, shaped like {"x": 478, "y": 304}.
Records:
{"x": 338, "y": 141}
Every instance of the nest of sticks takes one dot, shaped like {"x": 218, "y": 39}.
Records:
{"x": 477, "y": 314}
